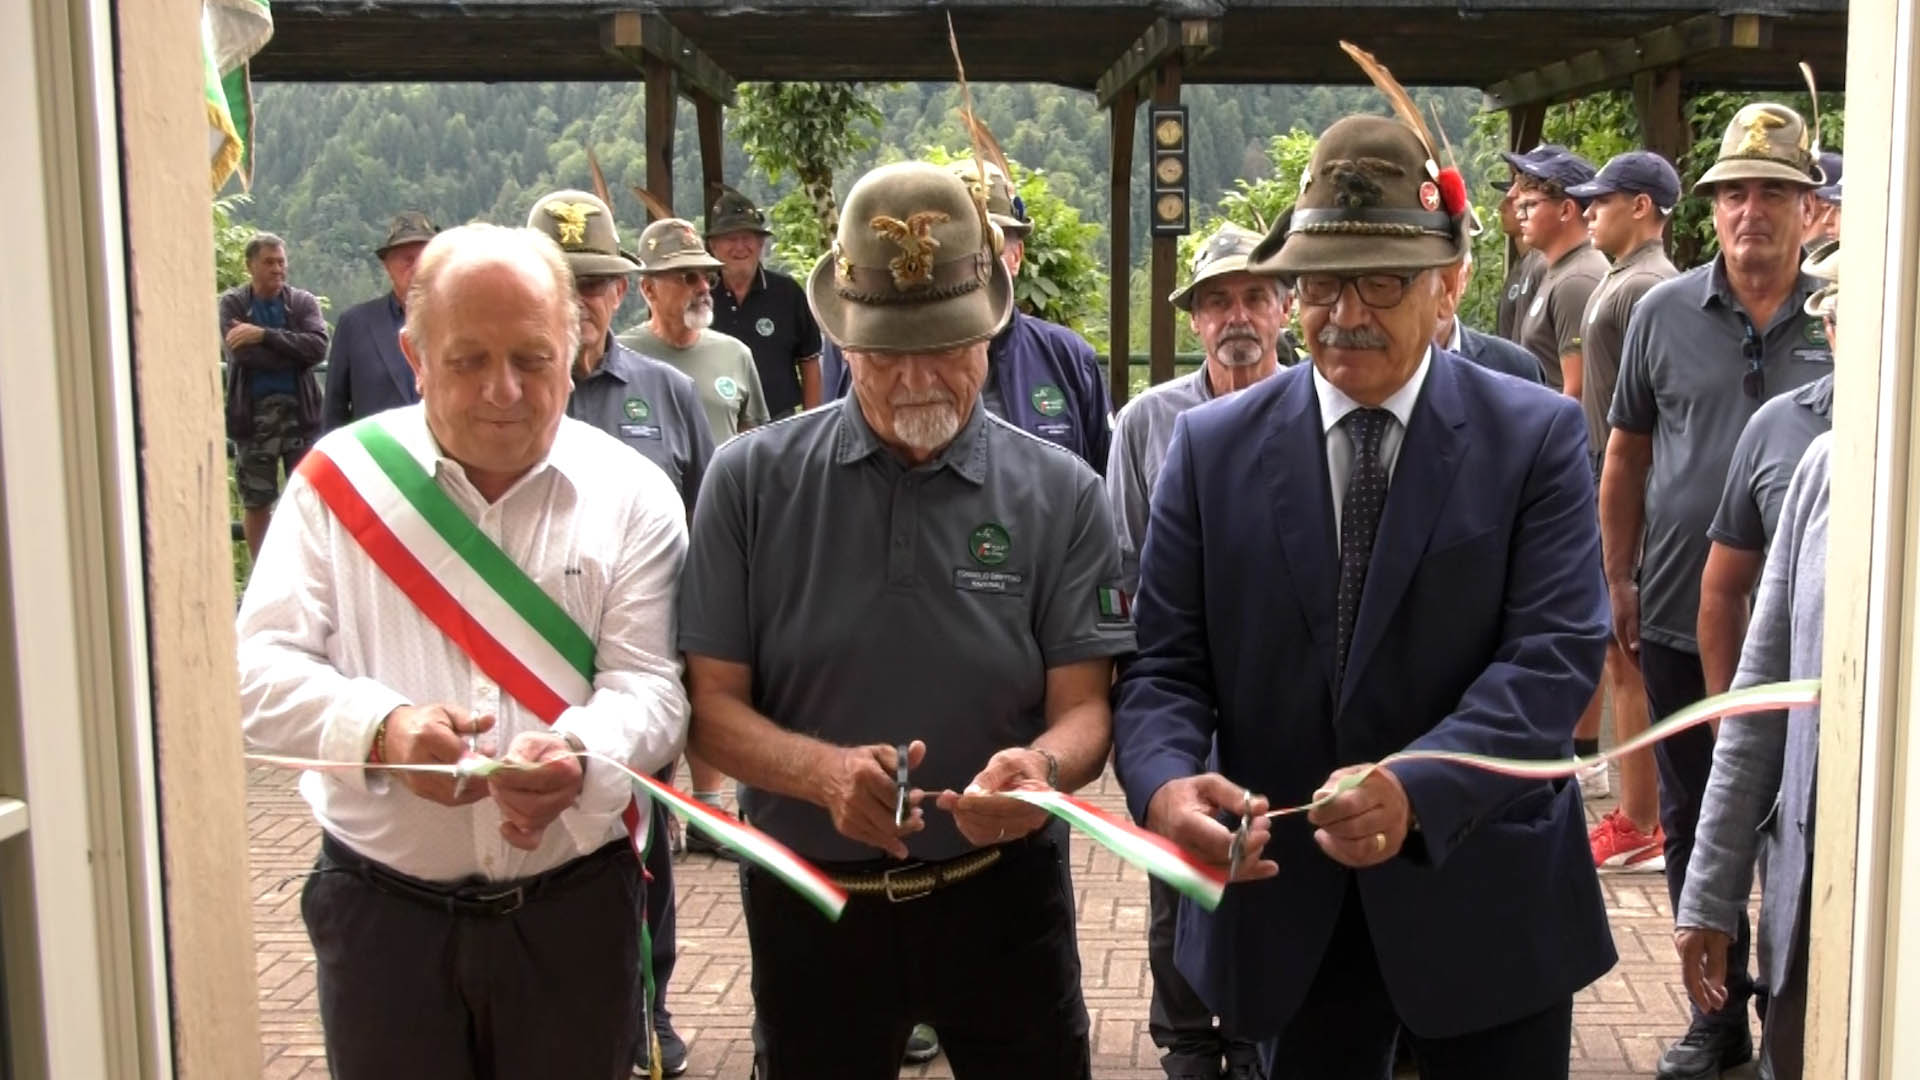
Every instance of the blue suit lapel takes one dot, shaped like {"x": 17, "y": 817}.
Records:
{"x": 1423, "y": 475}
{"x": 1294, "y": 459}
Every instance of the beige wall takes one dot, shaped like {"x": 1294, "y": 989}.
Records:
{"x": 184, "y": 512}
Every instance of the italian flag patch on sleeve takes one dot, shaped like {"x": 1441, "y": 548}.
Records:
{"x": 1114, "y": 605}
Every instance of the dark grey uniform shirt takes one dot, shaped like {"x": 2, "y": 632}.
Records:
{"x": 1763, "y": 462}
{"x": 776, "y": 324}
{"x": 1554, "y": 322}
{"x": 1516, "y": 292}
{"x": 652, "y": 408}
{"x": 881, "y": 603}
{"x": 1606, "y": 318}
{"x": 1681, "y": 376}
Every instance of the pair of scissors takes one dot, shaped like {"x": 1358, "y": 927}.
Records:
{"x": 1237, "y": 851}
{"x": 900, "y": 784}
{"x": 460, "y": 781}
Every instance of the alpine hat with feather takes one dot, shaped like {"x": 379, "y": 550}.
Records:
{"x": 1373, "y": 197}
{"x": 912, "y": 268}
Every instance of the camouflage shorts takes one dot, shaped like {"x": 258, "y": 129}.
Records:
{"x": 277, "y": 441}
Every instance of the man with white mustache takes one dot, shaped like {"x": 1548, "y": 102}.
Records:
{"x": 1239, "y": 319}
{"x": 896, "y": 606}
{"x": 676, "y": 278}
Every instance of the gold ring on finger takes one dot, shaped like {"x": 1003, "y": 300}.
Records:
{"x": 1379, "y": 842}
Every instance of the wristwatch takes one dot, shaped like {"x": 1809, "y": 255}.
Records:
{"x": 1053, "y": 766}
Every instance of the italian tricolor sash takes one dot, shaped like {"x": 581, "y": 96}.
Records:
{"x": 458, "y": 577}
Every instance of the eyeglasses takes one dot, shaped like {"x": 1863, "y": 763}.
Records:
{"x": 1754, "y": 382}
{"x": 1525, "y": 206}
{"x": 689, "y": 278}
{"x": 596, "y": 286}
{"x": 1377, "y": 290}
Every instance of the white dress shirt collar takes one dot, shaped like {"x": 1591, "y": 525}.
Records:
{"x": 1453, "y": 338}
{"x": 1335, "y": 404}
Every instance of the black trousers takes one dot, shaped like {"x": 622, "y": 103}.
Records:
{"x": 1180, "y": 1023}
{"x": 1347, "y": 1028}
{"x": 661, "y": 908}
{"x": 1674, "y": 681}
{"x": 408, "y": 990}
{"x": 991, "y": 962}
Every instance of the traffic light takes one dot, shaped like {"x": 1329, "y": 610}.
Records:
{"x": 1167, "y": 129}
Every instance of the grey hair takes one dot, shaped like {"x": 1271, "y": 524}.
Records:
{"x": 263, "y": 241}
{"x": 483, "y": 242}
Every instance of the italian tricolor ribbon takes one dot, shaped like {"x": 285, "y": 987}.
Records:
{"x": 1150, "y": 852}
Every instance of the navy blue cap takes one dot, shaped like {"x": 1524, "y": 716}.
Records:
{"x": 1636, "y": 172}
{"x": 1551, "y": 162}
{"x": 1830, "y": 191}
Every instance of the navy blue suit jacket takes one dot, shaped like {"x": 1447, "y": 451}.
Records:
{"x": 366, "y": 371}
{"x": 1482, "y": 628}
{"x": 1499, "y": 354}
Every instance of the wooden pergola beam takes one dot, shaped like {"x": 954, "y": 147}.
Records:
{"x": 632, "y": 35}
{"x": 1618, "y": 63}
{"x": 1184, "y": 40}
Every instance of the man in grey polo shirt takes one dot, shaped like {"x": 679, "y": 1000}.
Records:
{"x": 1551, "y": 224}
{"x": 1239, "y": 319}
{"x": 1769, "y": 450}
{"x": 947, "y": 591}
{"x": 1627, "y": 208}
{"x": 654, "y": 409}
{"x": 1702, "y": 353}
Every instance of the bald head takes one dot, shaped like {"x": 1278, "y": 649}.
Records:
{"x": 491, "y": 332}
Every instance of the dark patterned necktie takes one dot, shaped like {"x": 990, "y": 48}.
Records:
{"x": 1360, "y": 508}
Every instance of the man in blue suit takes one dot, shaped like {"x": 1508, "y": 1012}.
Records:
{"x": 1389, "y": 549}
{"x": 366, "y": 373}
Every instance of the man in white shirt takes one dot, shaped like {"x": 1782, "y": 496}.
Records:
{"x": 473, "y": 926}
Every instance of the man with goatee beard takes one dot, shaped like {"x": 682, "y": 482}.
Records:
{"x": 1239, "y": 319}
{"x": 676, "y": 278}
{"x": 896, "y": 607}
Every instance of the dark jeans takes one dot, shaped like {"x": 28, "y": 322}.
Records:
{"x": 1674, "y": 681}
{"x": 409, "y": 990}
{"x": 1180, "y": 1023}
{"x": 991, "y": 962}
{"x": 1347, "y": 1028}
{"x": 660, "y": 919}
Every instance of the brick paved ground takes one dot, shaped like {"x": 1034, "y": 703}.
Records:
{"x": 1621, "y": 1023}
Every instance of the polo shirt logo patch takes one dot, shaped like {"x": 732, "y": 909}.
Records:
{"x": 999, "y": 582}
{"x": 637, "y": 409}
{"x": 764, "y": 326}
{"x": 989, "y": 544}
{"x": 1538, "y": 303}
{"x": 640, "y": 431}
{"x": 1048, "y": 400}
{"x": 726, "y": 388}
{"x": 1815, "y": 333}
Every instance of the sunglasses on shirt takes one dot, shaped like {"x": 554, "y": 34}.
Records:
{"x": 1754, "y": 382}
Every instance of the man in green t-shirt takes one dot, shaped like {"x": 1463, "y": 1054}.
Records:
{"x": 676, "y": 280}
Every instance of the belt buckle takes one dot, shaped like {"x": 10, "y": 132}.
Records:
{"x": 886, "y": 884}
{"x": 516, "y": 895}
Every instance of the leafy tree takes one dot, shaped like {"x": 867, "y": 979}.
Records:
{"x": 230, "y": 242}
{"x": 807, "y": 129}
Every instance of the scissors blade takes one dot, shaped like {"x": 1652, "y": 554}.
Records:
{"x": 1237, "y": 852}
{"x": 900, "y": 785}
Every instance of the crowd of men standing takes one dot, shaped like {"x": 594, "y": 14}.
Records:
{"x": 896, "y": 556}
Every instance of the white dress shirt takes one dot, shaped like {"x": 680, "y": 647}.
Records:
{"x": 329, "y": 645}
{"x": 1335, "y": 405}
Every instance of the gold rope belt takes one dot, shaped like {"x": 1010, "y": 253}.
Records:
{"x": 916, "y": 880}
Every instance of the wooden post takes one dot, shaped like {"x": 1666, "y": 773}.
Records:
{"x": 1664, "y": 130}
{"x": 1119, "y": 240}
{"x": 706, "y": 116}
{"x": 661, "y": 106}
{"x": 1166, "y": 251}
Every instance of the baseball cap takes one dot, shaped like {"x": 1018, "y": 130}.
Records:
{"x": 1830, "y": 164}
{"x": 1551, "y": 162}
{"x": 1637, "y": 172}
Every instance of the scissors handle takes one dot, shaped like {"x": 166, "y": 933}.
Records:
{"x": 900, "y": 784}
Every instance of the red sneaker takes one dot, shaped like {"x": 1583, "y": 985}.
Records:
{"x": 1618, "y": 845}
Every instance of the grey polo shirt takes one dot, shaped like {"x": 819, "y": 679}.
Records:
{"x": 881, "y": 603}
{"x": 1763, "y": 462}
{"x": 1516, "y": 292}
{"x": 1554, "y": 325}
{"x": 1681, "y": 375}
{"x": 1606, "y": 318}
{"x": 1140, "y": 436}
{"x": 652, "y": 408}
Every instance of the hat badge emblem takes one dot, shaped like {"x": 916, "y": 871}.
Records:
{"x": 1759, "y": 132}
{"x": 914, "y": 236}
{"x": 572, "y": 219}
{"x": 1430, "y": 195}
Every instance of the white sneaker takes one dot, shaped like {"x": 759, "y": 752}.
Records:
{"x": 1594, "y": 783}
